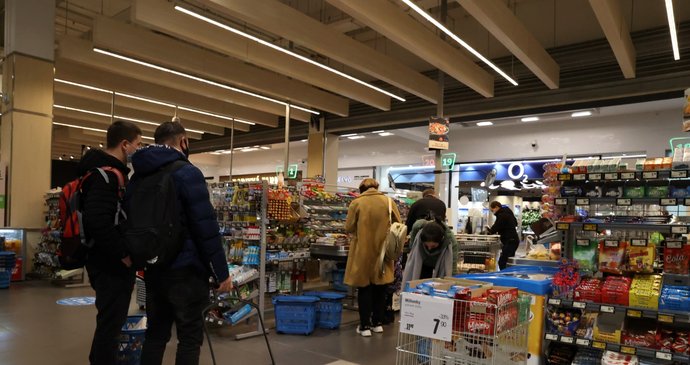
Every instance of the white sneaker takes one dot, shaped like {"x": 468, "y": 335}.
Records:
{"x": 365, "y": 333}
{"x": 377, "y": 329}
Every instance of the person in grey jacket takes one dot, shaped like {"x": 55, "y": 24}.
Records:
{"x": 431, "y": 254}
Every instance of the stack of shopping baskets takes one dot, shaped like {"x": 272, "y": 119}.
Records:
{"x": 7, "y": 262}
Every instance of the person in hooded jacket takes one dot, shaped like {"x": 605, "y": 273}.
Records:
{"x": 178, "y": 294}
{"x": 433, "y": 251}
{"x": 108, "y": 263}
{"x": 506, "y": 226}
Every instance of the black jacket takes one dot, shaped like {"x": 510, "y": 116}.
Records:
{"x": 99, "y": 204}
{"x": 505, "y": 225}
{"x": 203, "y": 248}
{"x": 421, "y": 208}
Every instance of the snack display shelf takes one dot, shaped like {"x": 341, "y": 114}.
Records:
{"x": 324, "y": 208}
{"x": 516, "y": 261}
{"x": 595, "y": 227}
{"x": 289, "y": 259}
{"x": 624, "y": 349}
{"x": 235, "y": 307}
{"x": 622, "y": 202}
{"x": 624, "y": 176}
{"x": 248, "y": 280}
{"x": 662, "y": 316}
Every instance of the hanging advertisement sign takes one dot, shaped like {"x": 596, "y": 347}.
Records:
{"x": 686, "y": 112}
{"x": 438, "y": 133}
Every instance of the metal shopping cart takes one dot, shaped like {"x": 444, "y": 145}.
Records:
{"x": 482, "y": 334}
{"x": 477, "y": 253}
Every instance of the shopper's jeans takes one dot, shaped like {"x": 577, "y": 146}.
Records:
{"x": 113, "y": 294}
{"x": 372, "y": 305}
{"x": 176, "y": 296}
{"x": 507, "y": 252}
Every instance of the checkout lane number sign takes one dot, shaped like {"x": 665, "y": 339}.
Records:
{"x": 426, "y": 316}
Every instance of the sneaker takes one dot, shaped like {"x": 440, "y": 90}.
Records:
{"x": 377, "y": 329}
{"x": 364, "y": 333}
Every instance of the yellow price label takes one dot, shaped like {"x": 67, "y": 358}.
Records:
{"x": 665, "y": 318}
{"x": 599, "y": 345}
{"x": 628, "y": 350}
{"x": 634, "y": 313}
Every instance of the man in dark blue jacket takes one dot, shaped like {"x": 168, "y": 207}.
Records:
{"x": 179, "y": 294}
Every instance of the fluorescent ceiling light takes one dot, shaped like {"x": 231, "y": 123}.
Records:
{"x": 153, "y": 101}
{"x": 529, "y": 119}
{"x": 304, "y": 140}
{"x": 586, "y": 113}
{"x": 250, "y": 149}
{"x": 91, "y": 129}
{"x": 356, "y": 137}
{"x": 283, "y": 50}
{"x": 377, "y": 132}
{"x": 227, "y": 152}
{"x": 386, "y": 134}
{"x": 484, "y": 124}
{"x": 215, "y": 153}
{"x": 440, "y": 26}
{"x": 672, "y": 28}
{"x": 265, "y": 148}
{"x": 349, "y": 135}
{"x": 118, "y": 117}
{"x": 199, "y": 79}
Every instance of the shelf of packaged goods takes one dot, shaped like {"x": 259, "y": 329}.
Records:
{"x": 289, "y": 259}
{"x": 221, "y": 322}
{"x": 238, "y": 224}
{"x": 518, "y": 261}
{"x": 247, "y": 280}
{"x": 621, "y": 202}
{"x": 630, "y": 350}
{"x": 595, "y": 227}
{"x": 624, "y": 176}
{"x": 663, "y": 316}
{"x": 325, "y": 208}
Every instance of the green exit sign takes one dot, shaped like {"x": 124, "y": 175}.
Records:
{"x": 448, "y": 161}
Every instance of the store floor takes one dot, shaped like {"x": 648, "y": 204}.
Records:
{"x": 35, "y": 330}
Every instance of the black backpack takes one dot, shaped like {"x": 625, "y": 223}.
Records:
{"x": 154, "y": 235}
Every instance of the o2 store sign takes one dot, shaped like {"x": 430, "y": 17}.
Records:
{"x": 510, "y": 174}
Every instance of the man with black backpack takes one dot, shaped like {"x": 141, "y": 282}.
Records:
{"x": 104, "y": 173}
{"x": 174, "y": 232}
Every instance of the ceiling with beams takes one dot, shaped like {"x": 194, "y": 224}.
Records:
{"x": 361, "y": 65}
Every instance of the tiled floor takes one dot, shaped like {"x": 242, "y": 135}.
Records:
{"x": 35, "y": 331}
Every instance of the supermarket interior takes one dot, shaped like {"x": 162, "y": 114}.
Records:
{"x": 552, "y": 134}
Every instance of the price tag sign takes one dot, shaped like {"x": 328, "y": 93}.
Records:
{"x": 679, "y": 174}
{"x": 566, "y": 339}
{"x": 661, "y": 355}
{"x": 582, "y": 201}
{"x": 624, "y": 202}
{"x": 595, "y": 176}
{"x": 627, "y": 175}
{"x": 607, "y": 309}
{"x": 674, "y": 244}
{"x": 579, "y": 305}
{"x": 582, "y": 242}
{"x": 590, "y": 227}
{"x": 551, "y": 337}
{"x": 650, "y": 175}
{"x": 564, "y": 177}
{"x": 554, "y": 301}
{"x": 579, "y": 177}
{"x": 686, "y": 202}
{"x": 628, "y": 350}
{"x": 665, "y": 318}
{"x": 611, "y": 176}
{"x": 426, "y": 316}
{"x": 562, "y": 226}
{"x": 668, "y": 202}
{"x": 582, "y": 342}
{"x": 611, "y": 243}
{"x": 599, "y": 345}
{"x": 634, "y": 313}
{"x": 638, "y": 242}
{"x": 679, "y": 229}
{"x": 561, "y": 202}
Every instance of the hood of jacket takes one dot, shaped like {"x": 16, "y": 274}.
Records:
{"x": 95, "y": 158}
{"x": 150, "y": 159}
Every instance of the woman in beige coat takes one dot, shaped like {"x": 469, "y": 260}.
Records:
{"x": 368, "y": 224}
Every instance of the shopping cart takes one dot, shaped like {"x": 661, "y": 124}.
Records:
{"x": 477, "y": 253}
{"x": 482, "y": 334}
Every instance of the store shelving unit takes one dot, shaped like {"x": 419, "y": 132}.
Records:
{"x": 612, "y": 217}
{"x": 46, "y": 263}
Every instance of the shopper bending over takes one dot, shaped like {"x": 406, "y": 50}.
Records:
{"x": 430, "y": 204}
{"x": 177, "y": 294}
{"x": 506, "y": 226}
{"x": 108, "y": 264}
{"x": 431, "y": 252}
{"x": 368, "y": 222}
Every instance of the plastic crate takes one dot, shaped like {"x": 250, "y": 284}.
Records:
{"x": 131, "y": 342}
{"x": 295, "y": 314}
{"x": 5, "y": 278}
{"x": 329, "y": 309}
{"x": 338, "y": 280}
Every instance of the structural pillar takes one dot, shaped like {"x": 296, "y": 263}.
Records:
{"x": 330, "y": 159}
{"x": 27, "y": 104}
{"x": 315, "y": 149}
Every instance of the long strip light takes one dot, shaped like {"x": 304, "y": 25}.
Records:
{"x": 672, "y": 28}
{"x": 90, "y": 129}
{"x": 440, "y": 26}
{"x": 153, "y": 101}
{"x": 283, "y": 50}
{"x": 118, "y": 117}
{"x": 199, "y": 79}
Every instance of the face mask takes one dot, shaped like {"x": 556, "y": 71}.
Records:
{"x": 185, "y": 150}
{"x": 129, "y": 158}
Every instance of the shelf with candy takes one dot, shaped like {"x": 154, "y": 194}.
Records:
{"x": 567, "y": 350}
{"x": 46, "y": 262}
{"x": 287, "y": 251}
